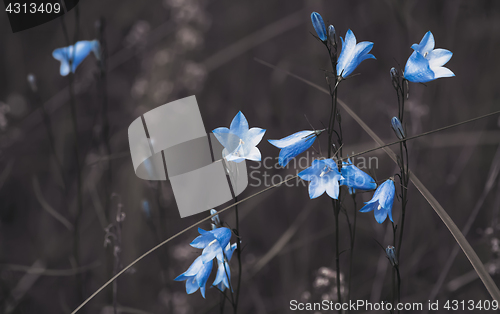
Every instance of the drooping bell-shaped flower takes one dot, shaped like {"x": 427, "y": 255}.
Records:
{"x": 323, "y": 175}
{"x": 319, "y": 25}
{"x": 381, "y": 202}
{"x": 223, "y": 271}
{"x": 212, "y": 243}
{"x": 355, "y": 178}
{"x": 75, "y": 54}
{"x": 196, "y": 276}
{"x": 352, "y": 54}
{"x": 239, "y": 141}
{"x": 294, "y": 144}
{"x": 426, "y": 63}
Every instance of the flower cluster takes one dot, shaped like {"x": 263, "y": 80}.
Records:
{"x": 215, "y": 245}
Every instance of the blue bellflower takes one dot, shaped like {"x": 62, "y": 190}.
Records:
{"x": 294, "y": 144}
{"x": 355, "y": 178}
{"x": 381, "y": 201}
{"x": 212, "y": 243}
{"x": 196, "y": 276}
{"x": 352, "y": 54}
{"x": 319, "y": 25}
{"x": 223, "y": 271}
{"x": 240, "y": 142}
{"x": 323, "y": 176}
{"x": 78, "y": 51}
{"x": 426, "y": 63}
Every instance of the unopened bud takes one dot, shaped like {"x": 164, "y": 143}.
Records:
{"x": 331, "y": 35}
{"x": 398, "y": 128}
{"x": 391, "y": 255}
{"x": 395, "y": 77}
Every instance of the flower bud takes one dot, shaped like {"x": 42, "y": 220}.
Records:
{"x": 395, "y": 77}
{"x": 391, "y": 255}
{"x": 319, "y": 26}
{"x": 331, "y": 35}
{"x": 215, "y": 219}
{"x": 398, "y": 128}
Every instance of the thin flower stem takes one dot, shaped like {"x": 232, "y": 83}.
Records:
{"x": 238, "y": 248}
{"x": 337, "y": 254}
{"x": 353, "y": 235}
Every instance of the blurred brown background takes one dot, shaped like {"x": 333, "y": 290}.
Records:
{"x": 160, "y": 51}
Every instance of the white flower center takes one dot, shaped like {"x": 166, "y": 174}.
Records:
{"x": 379, "y": 207}
{"x": 326, "y": 169}
{"x": 212, "y": 242}
{"x": 425, "y": 54}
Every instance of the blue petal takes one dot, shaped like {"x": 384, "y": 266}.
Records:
{"x": 202, "y": 241}
{"x": 291, "y": 139}
{"x": 202, "y": 275}
{"x": 387, "y": 198}
{"x": 194, "y": 268}
{"x": 239, "y": 125}
{"x": 352, "y": 54}
{"x": 369, "y": 207}
{"x": 223, "y": 235}
{"x": 221, "y": 134}
{"x": 438, "y": 57}
{"x": 317, "y": 186}
{"x": 254, "y": 136}
{"x": 426, "y": 44}
{"x": 356, "y": 178}
{"x": 442, "y": 72}
{"x": 191, "y": 285}
{"x": 313, "y": 171}
{"x": 289, "y": 152}
{"x": 417, "y": 69}
{"x": 347, "y": 54}
{"x": 332, "y": 188}
{"x": 230, "y": 250}
{"x": 319, "y": 25}
{"x": 380, "y": 215}
{"x": 211, "y": 251}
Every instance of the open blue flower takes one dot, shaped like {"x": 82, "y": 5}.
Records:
{"x": 196, "y": 276}
{"x": 381, "y": 201}
{"x": 78, "y": 51}
{"x": 294, "y": 144}
{"x": 426, "y": 63}
{"x": 223, "y": 271}
{"x": 319, "y": 25}
{"x": 352, "y": 54}
{"x": 323, "y": 175}
{"x": 240, "y": 142}
{"x": 212, "y": 243}
{"x": 355, "y": 178}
